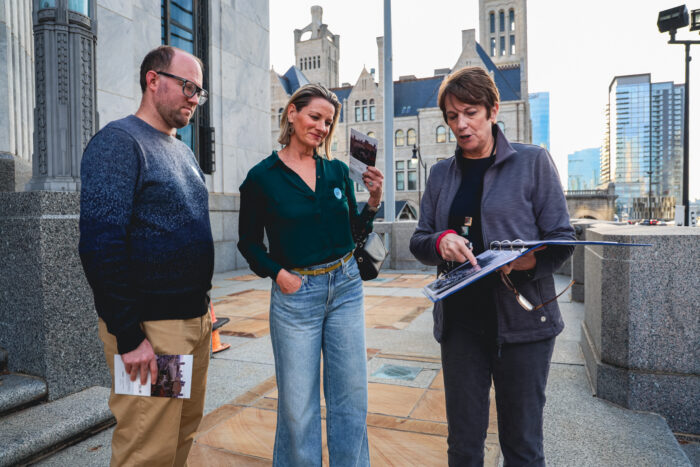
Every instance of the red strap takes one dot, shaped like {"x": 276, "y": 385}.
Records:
{"x": 437, "y": 244}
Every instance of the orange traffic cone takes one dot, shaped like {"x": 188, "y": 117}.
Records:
{"x": 216, "y": 345}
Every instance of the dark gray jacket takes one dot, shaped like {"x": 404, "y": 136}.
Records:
{"x": 522, "y": 199}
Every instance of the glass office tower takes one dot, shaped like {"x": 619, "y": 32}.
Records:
{"x": 539, "y": 115}
{"x": 584, "y": 169}
{"x": 643, "y": 151}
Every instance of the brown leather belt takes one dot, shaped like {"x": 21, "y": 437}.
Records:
{"x": 319, "y": 271}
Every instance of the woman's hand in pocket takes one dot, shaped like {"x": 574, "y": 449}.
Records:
{"x": 288, "y": 282}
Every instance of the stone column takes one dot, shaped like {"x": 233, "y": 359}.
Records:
{"x": 16, "y": 93}
{"x": 47, "y": 318}
{"x": 641, "y": 329}
{"x": 65, "y": 116}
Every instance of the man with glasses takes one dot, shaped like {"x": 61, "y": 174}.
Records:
{"x": 147, "y": 251}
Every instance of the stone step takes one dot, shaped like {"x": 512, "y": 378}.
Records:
{"x": 3, "y": 360}
{"x": 32, "y": 433}
{"x": 17, "y": 391}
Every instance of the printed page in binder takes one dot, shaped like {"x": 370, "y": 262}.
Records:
{"x": 500, "y": 254}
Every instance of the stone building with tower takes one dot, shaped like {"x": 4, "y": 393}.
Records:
{"x": 418, "y": 122}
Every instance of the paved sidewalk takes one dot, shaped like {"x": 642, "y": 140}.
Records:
{"x": 406, "y": 401}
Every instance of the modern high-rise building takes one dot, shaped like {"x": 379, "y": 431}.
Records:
{"x": 583, "y": 169}
{"x": 539, "y": 116}
{"x": 642, "y": 152}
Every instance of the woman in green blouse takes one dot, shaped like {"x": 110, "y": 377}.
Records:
{"x": 305, "y": 203}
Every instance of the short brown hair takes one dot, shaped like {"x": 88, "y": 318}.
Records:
{"x": 471, "y": 85}
{"x": 159, "y": 59}
{"x": 301, "y": 99}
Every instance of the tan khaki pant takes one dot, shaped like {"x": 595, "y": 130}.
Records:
{"x": 159, "y": 431}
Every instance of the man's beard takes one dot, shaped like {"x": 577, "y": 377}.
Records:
{"x": 173, "y": 117}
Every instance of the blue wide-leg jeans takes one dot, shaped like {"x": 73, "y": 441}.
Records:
{"x": 326, "y": 315}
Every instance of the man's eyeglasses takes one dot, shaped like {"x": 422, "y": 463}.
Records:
{"x": 189, "y": 89}
{"x": 524, "y": 302}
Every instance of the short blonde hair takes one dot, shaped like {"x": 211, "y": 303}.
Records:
{"x": 301, "y": 99}
{"x": 471, "y": 85}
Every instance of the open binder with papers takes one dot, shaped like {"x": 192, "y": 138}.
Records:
{"x": 498, "y": 255}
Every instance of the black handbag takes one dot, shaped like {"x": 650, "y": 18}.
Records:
{"x": 370, "y": 255}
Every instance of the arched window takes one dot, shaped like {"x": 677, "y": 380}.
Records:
{"x": 279, "y": 116}
{"x": 372, "y": 110}
{"x": 358, "y": 111}
{"x": 365, "y": 110}
{"x": 501, "y": 21}
{"x": 301, "y": 63}
{"x": 399, "y": 138}
{"x": 492, "y": 22}
{"x": 371, "y": 134}
{"x": 411, "y": 137}
{"x": 511, "y": 20}
{"x": 451, "y": 136}
{"x": 440, "y": 134}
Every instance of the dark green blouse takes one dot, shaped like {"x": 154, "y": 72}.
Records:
{"x": 303, "y": 227}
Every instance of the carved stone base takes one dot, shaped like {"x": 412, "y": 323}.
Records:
{"x": 47, "y": 318}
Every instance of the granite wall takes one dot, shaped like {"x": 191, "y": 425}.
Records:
{"x": 641, "y": 332}
{"x": 47, "y": 318}
{"x": 400, "y": 256}
{"x": 7, "y": 172}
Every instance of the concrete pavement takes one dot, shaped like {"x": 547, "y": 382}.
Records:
{"x": 580, "y": 429}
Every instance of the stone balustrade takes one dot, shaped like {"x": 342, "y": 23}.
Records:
{"x": 641, "y": 332}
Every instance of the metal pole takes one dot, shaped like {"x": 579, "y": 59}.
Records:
{"x": 389, "y": 208}
{"x": 418, "y": 147}
{"x": 686, "y": 137}
{"x": 650, "y": 172}
{"x": 419, "y": 193}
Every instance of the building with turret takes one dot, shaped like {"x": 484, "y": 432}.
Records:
{"x": 418, "y": 121}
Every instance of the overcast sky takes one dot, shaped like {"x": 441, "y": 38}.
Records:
{"x": 575, "y": 49}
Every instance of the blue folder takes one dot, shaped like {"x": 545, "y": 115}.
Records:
{"x": 498, "y": 255}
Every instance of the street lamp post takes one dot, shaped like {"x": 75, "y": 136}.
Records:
{"x": 416, "y": 155}
{"x": 669, "y": 21}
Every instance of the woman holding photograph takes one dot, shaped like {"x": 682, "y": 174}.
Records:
{"x": 493, "y": 190}
{"x": 305, "y": 203}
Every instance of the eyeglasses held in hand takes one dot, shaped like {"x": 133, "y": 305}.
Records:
{"x": 189, "y": 89}
{"x": 524, "y": 302}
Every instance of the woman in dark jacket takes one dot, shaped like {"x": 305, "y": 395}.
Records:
{"x": 493, "y": 190}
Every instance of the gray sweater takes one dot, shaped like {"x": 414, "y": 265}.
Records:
{"x": 522, "y": 199}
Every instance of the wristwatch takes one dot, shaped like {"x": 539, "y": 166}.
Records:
{"x": 372, "y": 208}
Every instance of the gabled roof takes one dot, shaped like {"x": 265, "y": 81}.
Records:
{"x": 507, "y": 82}
{"x": 512, "y": 76}
{"x": 342, "y": 94}
{"x": 414, "y": 94}
{"x": 399, "y": 206}
{"x": 292, "y": 80}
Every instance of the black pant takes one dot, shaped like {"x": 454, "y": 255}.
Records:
{"x": 519, "y": 373}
